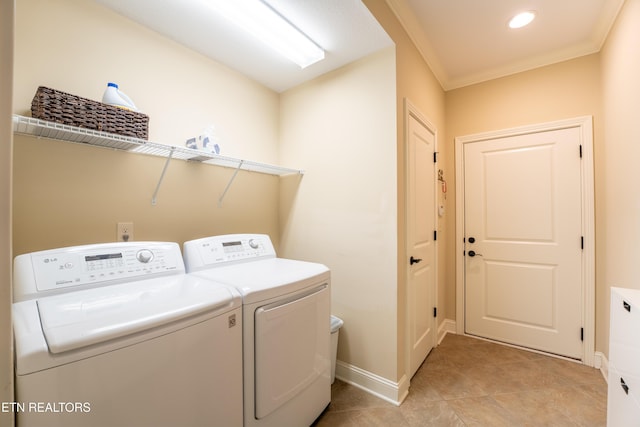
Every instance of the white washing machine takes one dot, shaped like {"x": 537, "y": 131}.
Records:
{"x": 286, "y": 344}
{"x": 118, "y": 335}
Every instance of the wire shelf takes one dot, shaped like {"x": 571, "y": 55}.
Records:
{"x": 44, "y": 129}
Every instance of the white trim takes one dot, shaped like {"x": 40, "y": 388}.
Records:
{"x": 374, "y": 384}
{"x": 408, "y": 20}
{"x": 410, "y": 110}
{"x": 589, "y": 232}
{"x": 447, "y": 326}
{"x": 585, "y": 124}
{"x": 459, "y": 169}
{"x": 602, "y": 363}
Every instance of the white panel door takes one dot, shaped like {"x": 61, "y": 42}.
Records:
{"x": 523, "y": 256}
{"x": 420, "y": 240}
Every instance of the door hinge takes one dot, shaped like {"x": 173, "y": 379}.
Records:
{"x": 582, "y": 242}
{"x": 435, "y": 157}
{"x": 580, "y": 150}
{"x": 435, "y": 234}
{"x": 581, "y": 334}
{"x": 435, "y": 312}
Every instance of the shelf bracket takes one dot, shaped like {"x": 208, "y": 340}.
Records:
{"x": 229, "y": 184}
{"x": 164, "y": 170}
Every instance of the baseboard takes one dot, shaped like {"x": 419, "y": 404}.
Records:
{"x": 447, "y": 326}
{"x": 381, "y": 387}
{"x": 601, "y": 362}
{"x": 396, "y": 392}
{"x": 374, "y": 384}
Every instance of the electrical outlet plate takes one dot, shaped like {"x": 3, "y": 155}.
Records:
{"x": 124, "y": 232}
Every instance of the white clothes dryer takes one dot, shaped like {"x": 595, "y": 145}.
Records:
{"x": 118, "y": 335}
{"x": 286, "y": 321}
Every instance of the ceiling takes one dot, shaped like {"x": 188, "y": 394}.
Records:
{"x": 344, "y": 28}
{"x": 468, "y": 41}
{"x": 463, "y": 41}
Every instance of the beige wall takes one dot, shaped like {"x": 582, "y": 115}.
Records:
{"x": 6, "y": 144}
{"x": 341, "y": 129}
{"x": 416, "y": 82}
{"x": 67, "y": 194}
{"x": 349, "y": 208}
{"x": 603, "y": 85}
{"x": 564, "y": 90}
{"x": 88, "y": 45}
{"x": 619, "y": 209}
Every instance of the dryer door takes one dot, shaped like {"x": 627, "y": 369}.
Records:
{"x": 292, "y": 347}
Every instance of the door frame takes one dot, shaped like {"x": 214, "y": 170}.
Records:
{"x": 585, "y": 125}
{"x": 410, "y": 110}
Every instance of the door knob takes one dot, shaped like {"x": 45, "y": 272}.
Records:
{"x": 473, "y": 253}
{"x": 472, "y": 239}
{"x": 413, "y": 260}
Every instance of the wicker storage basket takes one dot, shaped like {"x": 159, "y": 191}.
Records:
{"x": 60, "y": 107}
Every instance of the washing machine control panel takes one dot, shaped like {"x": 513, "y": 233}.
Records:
{"x": 230, "y": 248}
{"x": 100, "y": 263}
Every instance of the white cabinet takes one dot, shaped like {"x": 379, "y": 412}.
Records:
{"x": 624, "y": 359}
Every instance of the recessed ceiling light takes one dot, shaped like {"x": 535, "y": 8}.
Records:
{"x": 522, "y": 19}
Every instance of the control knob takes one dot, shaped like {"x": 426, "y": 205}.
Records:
{"x": 144, "y": 256}
{"x": 253, "y": 244}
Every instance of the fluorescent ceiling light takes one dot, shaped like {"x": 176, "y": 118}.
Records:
{"x": 522, "y": 19}
{"x": 268, "y": 26}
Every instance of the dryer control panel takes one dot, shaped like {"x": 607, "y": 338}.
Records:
{"x": 230, "y": 248}
{"x": 94, "y": 264}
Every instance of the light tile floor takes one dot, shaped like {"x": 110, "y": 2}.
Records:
{"x": 470, "y": 382}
